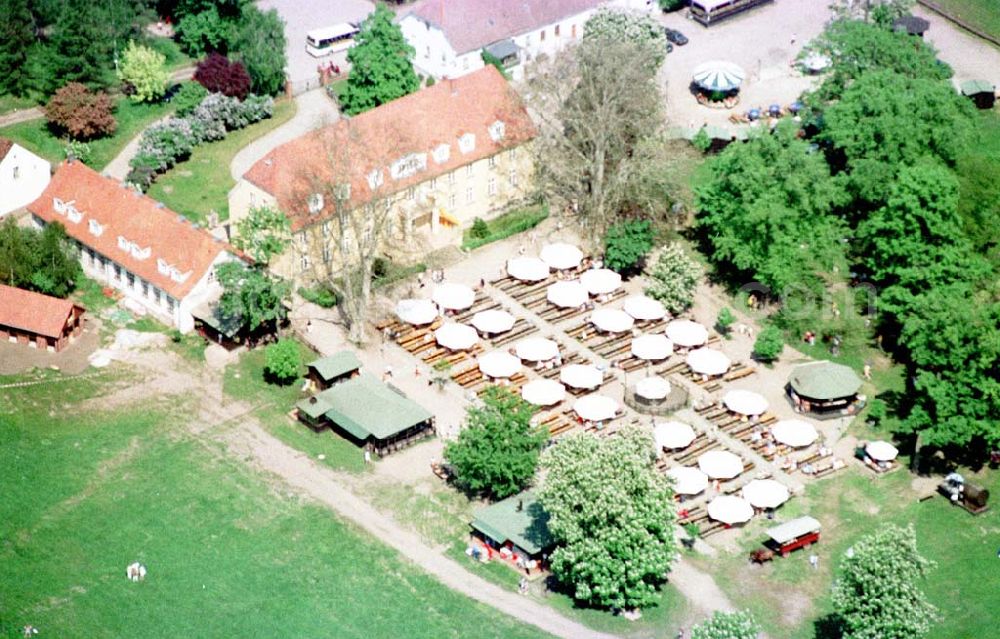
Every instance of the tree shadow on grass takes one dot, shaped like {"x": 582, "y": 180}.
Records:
{"x": 829, "y": 626}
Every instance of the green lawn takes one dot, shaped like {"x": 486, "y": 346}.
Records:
{"x": 132, "y": 118}
{"x": 176, "y": 59}
{"x": 201, "y": 184}
{"x": 503, "y": 226}
{"x": 85, "y": 494}
{"x": 983, "y": 14}
{"x": 10, "y": 103}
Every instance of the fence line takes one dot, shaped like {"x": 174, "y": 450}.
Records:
{"x": 941, "y": 11}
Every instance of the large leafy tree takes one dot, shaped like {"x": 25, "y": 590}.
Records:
{"x": 263, "y": 234}
{"x": 282, "y": 361}
{"x": 673, "y": 278}
{"x": 728, "y": 625}
{"x": 252, "y": 296}
{"x": 611, "y": 24}
{"x": 16, "y": 37}
{"x": 877, "y": 594}
{"x": 205, "y": 32}
{"x": 611, "y": 514}
{"x": 80, "y": 49}
{"x": 43, "y": 261}
{"x": 497, "y": 451}
{"x": 626, "y": 244}
{"x": 145, "y": 70}
{"x": 381, "y": 64}
{"x": 260, "y": 43}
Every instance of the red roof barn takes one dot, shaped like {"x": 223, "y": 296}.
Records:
{"x": 38, "y": 320}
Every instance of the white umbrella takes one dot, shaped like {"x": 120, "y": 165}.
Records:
{"x": 708, "y": 361}
{"x": 499, "y": 364}
{"x": 730, "y": 510}
{"x": 537, "y": 349}
{"x": 720, "y": 464}
{"x": 684, "y": 332}
{"x": 561, "y": 256}
{"x": 595, "y": 408}
{"x": 687, "y": 480}
{"x": 416, "y": 311}
{"x": 581, "y": 376}
{"x": 652, "y": 388}
{"x": 568, "y": 294}
{"x": 765, "y": 493}
{"x": 456, "y": 336}
{"x": 453, "y": 296}
{"x": 601, "y": 281}
{"x": 718, "y": 75}
{"x": 543, "y": 392}
{"x": 644, "y": 308}
{"x": 527, "y": 269}
{"x": 652, "y": 347}
{"x": 493, "y": 321}
{"x": 745, "y": 402}
{"x": 794, "y": 432}
{"x": 612, "y": 320}
{"x": 881, "y": 451}
{"x": 816, "y": 62}
{"x": 673, "y": 435}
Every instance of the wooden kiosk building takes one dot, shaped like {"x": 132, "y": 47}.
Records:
{"x": 824, "y": 389}
{"x": 515, "y": 529}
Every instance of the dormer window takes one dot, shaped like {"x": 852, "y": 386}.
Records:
{"x": 375, "y": 179}
{"x": 177, "y": 276}
{"x": 467, "y": 143}
{"x": 408, "y": 165}
{"x": 95, "y": 228}
{"x": 315, "y": 202}
{"x": 162, "y": 267}
{"x": 59, "y": 206}
{"x": 123, "y": 243}
{"x": 441, "y": 153}
{"x": 141, "y": 254}
{"x": 73, "y": 215}
{"x": 497, "y": 130}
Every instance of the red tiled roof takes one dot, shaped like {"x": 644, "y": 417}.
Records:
{"x": 135, "y": 217}
{"x": 5, "y": 147}
{"x": 472, "y": 24}
{"x": 33, "y": 312}
{"x": 417, "y": 123}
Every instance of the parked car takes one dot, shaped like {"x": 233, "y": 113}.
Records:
{"x": 675, "y": 36}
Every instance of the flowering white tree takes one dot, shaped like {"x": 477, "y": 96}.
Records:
{"x": 728, "y": 625}
{"x": 673, "y": 278}
{"x": 871, "y": 10}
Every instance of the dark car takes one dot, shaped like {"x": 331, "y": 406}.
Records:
{"x": 676, "y": 37}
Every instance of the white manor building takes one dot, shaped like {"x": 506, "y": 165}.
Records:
{"x": 23, "y": 176}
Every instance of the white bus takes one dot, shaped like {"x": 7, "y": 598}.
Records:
{"x": 320, "y": 42}
{"x": 708, "y": 12}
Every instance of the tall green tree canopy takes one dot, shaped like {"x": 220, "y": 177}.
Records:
{"x": 260, "y": 43}
{"x": 43, "y": 261}
{"x": 16, "y": 38}
{"x": 145, "y": 70}
{"x": 497, "y": 451}
{"x": 381, "y": 64}
{"x": 263, "y": 234}
{"x": 253, "y": 296}
{"x": 612, "y": 516}
{"x": 626, "y": 243}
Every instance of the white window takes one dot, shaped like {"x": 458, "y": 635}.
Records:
{"x": 170, "y": 304}
{"x": 345, "y": 244}
{"x": 433, "y": 183}
{"x": 491, "y": 186}
{"x": 123, "y": 243}
{"x": 441, "y": 153}
{"x": 253, "y": 199}
{"x": 326, "y": 253}
{"x": 511, "y": 155}
{"x": 59, "y": 206}
{"x": 493, "y": 162}
{"x": 467, "y": 143}
{"x": 408, "y": 165}
{"x": 557, "y": 31}
{"x": 468, "y": 195}
{"x": 451, "y": 178}
{"x": 162, "y": 266}
{"x": 427, "y": 52}
{"x": 497, "y": 130}
{"x": 366, "y": 237}
{"x": 17, "y": 172}
{"x": 303, "y": 239}
{"x": 315, "y": 202}
{"x": 465, "y": 62}
{"x": 375, "y": 179}
{"x": 156, "y": 295}
{"x": 468, "y": 170}
{"x": 95, "y": 228}
{"x": 411, "y": 193}
{"x": 451, "y": 201}
{"x": 512, "y": 177}
{"x": 141, "y": 253}
{"x": 305, "y": 262}
{"x": 145, "y": 288}
{"x": 326, "y": 229}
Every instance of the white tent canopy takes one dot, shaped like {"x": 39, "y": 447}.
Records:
{"x": 456, "y": 336}
{"x": 718, "y": 75}
{"x": 687, "y": 480}
{"x": 653, "y": 346}
{"x": 686, "y": 333}
{"x": 601, "y": 281}
{"x": 416, "y": 312}
{"x": 499, "y": 364}
{"x": 537, "y": 349}
{"x": 612, "y": 320}
{"x": 652, "y": 388}
{"x": 673, "y": 435}
{"x": 493, "y": 321}
{"x": 569, "y": 294}
{"x": 543, "y": 392}
{"x": 765, "y": 493}
{"x": 561, "y": 256}
{"x": 581, "y": 376}
{"x": 527, "y": 269}
{"x": 644, "y": 308}
{"x": 595, "y": 408}
{"x": 881, "y": 451}
{"x": 452, "y": 296}
{"x": 794, "y": 432}
{"x": 730, "y": 509}
{"x": 708, "y": 361}
{"x": 745, "y": 402}
{"x": 720, "y": 464}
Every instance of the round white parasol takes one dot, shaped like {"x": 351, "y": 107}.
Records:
{"x": 881, "y": 451}
{"x": 581, "y": 376}
{"x": 745, "y": 402}
{"x": 543, "y": 392}
{"x": 652, "y": 347}
{"x": 455, "y": 297}
{"x": 730, "y": 510}
{"x": 652, "y": 388}
{"x": 720, "y": 464}
{"x": 527, "y": 269}
{"x": 612, "y": 320}
{"x": 493, "y": 321}
{"x": 708, "y": 361}
{"x": 416, "y": 312}
{"x": 537, "y": 349}
{"x": 687, "y": 480}
{"x": 561, "y": 256}
{"x": 644, "y": 308}
{"x": 568, "y": 294}
{"x": 794, "y": 432}
{"x": 686, "y": 333}
{"x": 595, "y": 408}
{"x": 718, "y": 75}
{"x": 673, "y": 435}
{"x": 601, "y": 281}
{"x": 765, "y": 493}
{"x": 457, "y": 337}
{"x": 499, "y": 364}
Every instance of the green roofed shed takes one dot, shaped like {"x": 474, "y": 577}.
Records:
{"x": 520, "y": 520}
{"x": 328, "y": 369}
{"x": 824, "y": 381}
{"x": 972, "y": 87}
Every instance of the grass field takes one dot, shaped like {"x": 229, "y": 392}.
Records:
{"x": 512, "y": 222}
{"x": 984, "y": 14}
{"x": 87, "y": 493}
{"x": 10, "y": 103}
{"x": 201, "y": 184}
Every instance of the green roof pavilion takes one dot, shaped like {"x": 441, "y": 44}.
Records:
{"x": 520, "y": 520}
{"x": 336, "y": 365}
{"x": 824, "y": 381}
